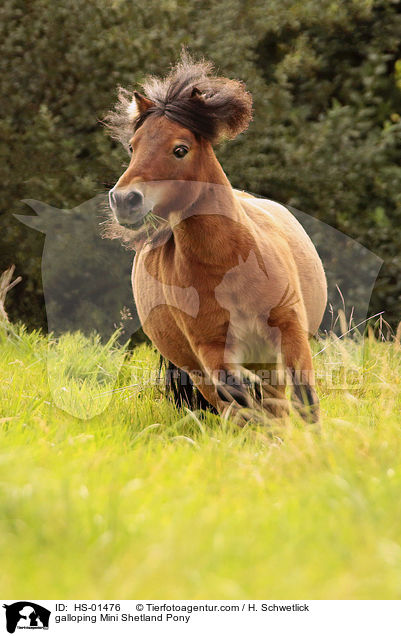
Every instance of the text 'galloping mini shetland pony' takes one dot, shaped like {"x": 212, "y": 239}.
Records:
{"x": 228, "y": 287}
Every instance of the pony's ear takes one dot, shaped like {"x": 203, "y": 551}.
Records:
{"x": 138, "y": 105}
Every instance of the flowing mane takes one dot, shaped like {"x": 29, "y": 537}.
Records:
{"x": 210, "y": 106}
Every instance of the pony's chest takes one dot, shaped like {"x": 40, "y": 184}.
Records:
{"x": 157, "y": 283}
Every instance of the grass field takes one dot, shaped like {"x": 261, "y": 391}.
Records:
{"x": 144, "y": 501}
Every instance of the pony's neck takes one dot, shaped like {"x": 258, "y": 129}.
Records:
{"x": 202, "y": 230}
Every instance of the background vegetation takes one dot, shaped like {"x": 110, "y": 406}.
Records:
{"x": 326, "y": 80}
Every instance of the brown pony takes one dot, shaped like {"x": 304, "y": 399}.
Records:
{"x": 228, "y": 287}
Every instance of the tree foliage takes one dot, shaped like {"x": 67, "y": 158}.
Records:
{"x": 326, "y": 81}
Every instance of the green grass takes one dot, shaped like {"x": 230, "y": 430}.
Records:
{"x": 144, "y": 501}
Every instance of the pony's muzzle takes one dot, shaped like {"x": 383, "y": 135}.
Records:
{"x": 128, "y": 206}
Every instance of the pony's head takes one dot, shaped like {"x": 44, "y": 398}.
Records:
{"x": 170, "y": 131}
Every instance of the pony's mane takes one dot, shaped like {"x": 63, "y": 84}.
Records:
{"x": 210, "y": 106}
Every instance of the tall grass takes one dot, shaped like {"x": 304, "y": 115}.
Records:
{"x": 145, "y": 501}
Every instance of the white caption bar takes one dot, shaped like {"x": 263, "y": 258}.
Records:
{"x": 277, "y": 618}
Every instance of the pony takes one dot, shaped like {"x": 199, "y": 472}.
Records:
{"x": 228, "y": 287}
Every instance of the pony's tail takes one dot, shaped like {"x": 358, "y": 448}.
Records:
{"x": 180, "y": 388}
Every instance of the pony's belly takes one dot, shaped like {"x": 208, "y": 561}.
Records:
{"x": 310, "y": 270}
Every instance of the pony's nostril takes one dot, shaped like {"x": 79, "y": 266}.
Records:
{"x": 134, "y": 199}
{"x": 127, "y": 207}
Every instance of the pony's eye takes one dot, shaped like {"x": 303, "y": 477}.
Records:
{"x": 130, "y": 149}
{"x": 180, "y": 151}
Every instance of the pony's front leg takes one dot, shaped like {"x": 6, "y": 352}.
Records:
{"x": 298, "y": 361}
{"x": 236, "y": 390}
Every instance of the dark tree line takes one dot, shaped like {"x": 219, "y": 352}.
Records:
{"x": 326, "y": 134}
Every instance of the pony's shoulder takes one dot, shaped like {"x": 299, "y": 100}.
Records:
{"x": 251, "y": 203}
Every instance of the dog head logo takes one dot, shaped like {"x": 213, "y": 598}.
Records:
{"x": 26, "y": 615}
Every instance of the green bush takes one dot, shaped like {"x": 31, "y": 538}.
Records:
{"x": 326, "y": 79}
